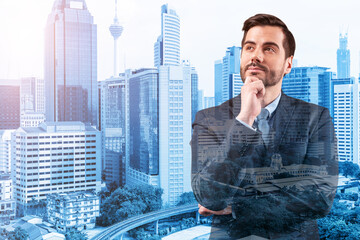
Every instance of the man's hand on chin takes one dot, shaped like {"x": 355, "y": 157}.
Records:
{"x": 206, "y": 212}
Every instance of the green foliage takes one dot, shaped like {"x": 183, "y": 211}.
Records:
{"x": 334, "y": 229}
{"x": 36, "y": 207}
{"x": 140, "y": 233}
{"x": 186, "y": 198}
{"x": 74, "y": 234}
{"x": 349, "y": 196}
{"x": 349, "y": 169}
{"x": 187, "y": 223}
{"x": 127, "y": 202}
{"x": 17, "y": 234}
{"x": 341, "y": 223}
{"x": 112, "y": 186}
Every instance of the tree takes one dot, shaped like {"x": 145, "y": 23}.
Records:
{"x": 333, "y": 229}
{"x": 127, "y": 202}
{"x": 348, "y": 168}
{"x": 74, "y": 234}
{"x": 186, "y": 198}
{"x": 140, "y": 233}
{"x": 17, "y": 234}
{"x": 112, "y": 186}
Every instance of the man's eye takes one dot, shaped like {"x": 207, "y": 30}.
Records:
{"x": 249, "y": 48}
{"x": 269, "y": 49}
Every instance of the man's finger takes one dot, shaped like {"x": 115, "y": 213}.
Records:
{"x": 205, "y": 212}
{"x": 251, "y": 79}
{"x": 258, "y": 87}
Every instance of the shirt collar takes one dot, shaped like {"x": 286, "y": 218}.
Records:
{"x": 273, "y": 105}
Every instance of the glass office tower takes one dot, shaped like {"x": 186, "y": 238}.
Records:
{"x": 71, "y": 63}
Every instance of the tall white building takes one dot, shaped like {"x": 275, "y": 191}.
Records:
{"x": 57, "y": 157}
{"x": 174, "y": 131}
{"x": 159, "y": 127}
{"x": 346, "y": 118}
{"x": 167, "y": 46}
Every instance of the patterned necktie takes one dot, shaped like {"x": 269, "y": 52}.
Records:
{"x": 263, "y": 125}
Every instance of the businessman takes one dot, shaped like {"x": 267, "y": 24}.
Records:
{"x": 264, "y": 164}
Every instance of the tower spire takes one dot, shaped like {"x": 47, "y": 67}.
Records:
{"x": 116, "y": 17}
{"x": 115, "y": 29}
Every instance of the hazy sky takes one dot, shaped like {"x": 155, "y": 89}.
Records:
{"x": 208, "y": 27}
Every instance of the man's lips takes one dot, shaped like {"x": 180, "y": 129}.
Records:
{"x": 255, "y": 69}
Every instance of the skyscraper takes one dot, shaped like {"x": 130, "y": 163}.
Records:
{"x": 113, "y": 112}
{"x": 346, "y": 118}
{"x": 227, "y": 75}
{"x": 174, "y": 131}
{"x": 311, "y": 84}
{"x": 343, "y": 57}
{"x": 218, "y": 82}
{"x": 71, "y": 63}
{"x": 143, "y": 127}
{"x": 167, "y": 46}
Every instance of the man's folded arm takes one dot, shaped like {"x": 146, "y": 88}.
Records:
{"x": 215, "y": 174}
{"x": 300, "y": 198}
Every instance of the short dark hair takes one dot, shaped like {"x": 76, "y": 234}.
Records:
{"x": 270, "y": 20}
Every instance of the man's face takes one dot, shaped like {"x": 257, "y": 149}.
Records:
{"x": 263, "y": 55}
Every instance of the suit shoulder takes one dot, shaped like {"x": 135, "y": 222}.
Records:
{"x": 220, "y": 112}
{"x": 306, "y": 105}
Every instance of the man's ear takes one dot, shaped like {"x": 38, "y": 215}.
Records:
{"x": 288, "y": 64}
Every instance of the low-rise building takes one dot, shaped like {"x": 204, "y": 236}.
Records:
{"x": 73, "y": 210}
{"x": 7, "y": 202}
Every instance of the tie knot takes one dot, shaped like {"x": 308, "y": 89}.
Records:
{"x": 264, "y": 114}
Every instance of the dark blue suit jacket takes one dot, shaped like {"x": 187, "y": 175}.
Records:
{"x": 276, "y": 191}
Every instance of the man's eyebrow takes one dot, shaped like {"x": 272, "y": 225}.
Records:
{"x": 272, "y": 44}
{"x": 249, "y": 42}
{"x": 265, "y": 43}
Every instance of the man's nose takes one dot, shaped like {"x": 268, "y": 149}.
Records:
{"x": 257, "y": 56}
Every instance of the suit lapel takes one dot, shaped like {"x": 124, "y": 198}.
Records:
{"x": 284, "y": 115}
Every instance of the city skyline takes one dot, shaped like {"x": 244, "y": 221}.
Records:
{"x": 203, "y": 38}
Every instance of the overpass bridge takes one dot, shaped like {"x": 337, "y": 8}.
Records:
{"x": 120, "y": 228}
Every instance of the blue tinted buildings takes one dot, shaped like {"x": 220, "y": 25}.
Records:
{"x": 194, "y": 93}
{"x": 343, "y": 58}
{"x": 227, "y": 75}
{"x": 218, "y": 82}
{"x": 167, "y": 46}
{"x": 311, "y": 84}
{"x": 143, "y": 127}
{"x": 113, "y": 110}
{"x": 71, "y": 63}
